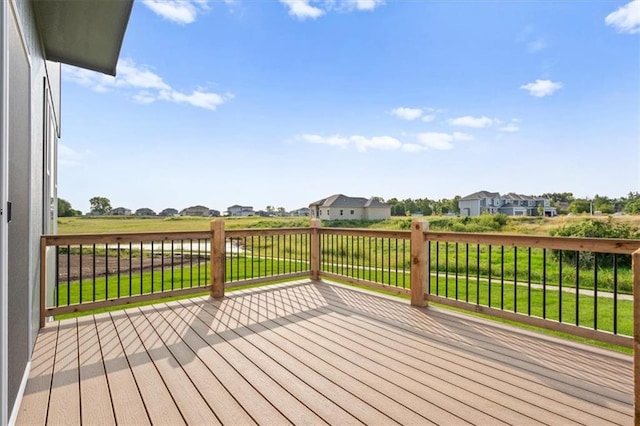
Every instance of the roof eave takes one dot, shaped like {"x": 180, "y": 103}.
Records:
{"x": 84, "y": 34}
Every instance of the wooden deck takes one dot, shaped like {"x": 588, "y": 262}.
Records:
{"x": 315, "y": 353}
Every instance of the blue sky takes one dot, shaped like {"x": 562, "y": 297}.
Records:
{"x": 265, "y": 102}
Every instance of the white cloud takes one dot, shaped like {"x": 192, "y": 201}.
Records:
{"x": 302, "y": 10}
{"x": 412, "y": 147}
{"x": 434, "y": 140}
{"x": 179, "y": 11}
{"x": 335, "y": 140}
{"x": 365, "y": 4}
{"x": 469, "y": 121}
{"x": 376, "y": 142}
{"x": 142, "y": 85}
{"x": 407, "y": 113}
{"x": 512, "y": 127}
{"x": 424, "y": 141}
{"x": 626, "y": 19}
{"x": 428, "y": 118}
{"x": 361, "y": 143}
{"x": 536, "y": 45}
{"x": 459, "y": 136}
{"x": 542, "y": 88}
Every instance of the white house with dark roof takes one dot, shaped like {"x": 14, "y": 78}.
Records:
{"x": 511, "y": 204}
{"x": 238, "y": 210}
{"x": 342, "y": 207}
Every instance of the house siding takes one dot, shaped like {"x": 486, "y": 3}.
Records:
{"x": 28, "y": 74}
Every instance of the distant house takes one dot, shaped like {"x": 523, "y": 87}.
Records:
{"x": 214, "y": 213}
{"x": 340, "y": 206}
{"x": 238, "y": 210}
{"x": 121, "y": 211}
{"x": 511, "y": 204}
{"x": 195, "y": 211}
{"x": 168, "y": 212}
{"x": 303, "y": 211}
{"x": 145, "y": 212}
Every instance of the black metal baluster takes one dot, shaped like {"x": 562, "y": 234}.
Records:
{"x": 80, "y": 275}
{"x": 560, "y": 285}
{"x": 615, "y": 293}
{"x": 466, "y": 296}
{"x": 595, "y": 291}
{"x": 457, "y": 269}
{"x": 544, "y": 283}
{"x": 489, "y": 273}
{"x": 153, "y": 282}
{"x": 502, "y": 277}
{"x": 131, "y": 267}
{"x": 577, "y": 287}
{"x": 118, "y": 268}
{"x": 437, "y": 268}
{"x": 446, "y": 269}
{"x": 477, "y": 274}
{"x": 529, "y": 283}
{"x": 106, "y": 271}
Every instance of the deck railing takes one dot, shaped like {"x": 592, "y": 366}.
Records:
{"x": 580, "y": 286}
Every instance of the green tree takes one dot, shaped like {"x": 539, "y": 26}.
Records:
{"x": 65, "y": 209}
{"x": 579, "y": 206}
{"x": 100, "y": 206}
{"x": 631, "y": 203}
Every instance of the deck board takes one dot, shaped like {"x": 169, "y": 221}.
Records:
{"x": 94, "y": 389}
{"x": 315, "y": 353}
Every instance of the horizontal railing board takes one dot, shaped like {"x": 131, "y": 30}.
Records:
{"x": 271, "y": 278}
{"x": 137, "y": 237}
{"x": 123, "y": 301}
{"x": 599, "y": 245}
{"x": 601, "y": 336}
{"x": 366, "y": 283}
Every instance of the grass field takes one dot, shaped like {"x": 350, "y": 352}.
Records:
{"x": 115, "y": 224}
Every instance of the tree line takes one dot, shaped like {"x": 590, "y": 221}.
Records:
{"x": 565, "y": 202}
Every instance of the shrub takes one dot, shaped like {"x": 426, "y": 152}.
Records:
{"x": 592, "y": 228}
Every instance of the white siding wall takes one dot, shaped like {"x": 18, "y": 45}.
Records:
{"x": 378, "y": 213}
{"x": 472, "y": 205}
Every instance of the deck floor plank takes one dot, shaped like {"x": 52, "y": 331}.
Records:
{"x": 189, "y": 401}
{"x": 226, "y": 408}
{"x": 159, "y": 402}
{"x": 315, "y": 353}
{"x": 64, "y": 400}
{"x": 352, "y": 350}
{"x": 272, "y": 363}
{"x": 94, "y": 390}
{"x": 256, "y": 405}
{"x": 548, "y": 396}
{"x": 294, "y": 410}
{"x": 125, "y": 397}
{"x": 35, "y": 403}
{"x": 524, "y": 366}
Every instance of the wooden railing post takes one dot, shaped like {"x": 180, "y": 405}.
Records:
{"x": 636, "y": 336}
{"x": 217, "y": 258}
{"x": 43, "y": 279}
{"x": 315, "y": 249}
{"x": 419, "y": 263}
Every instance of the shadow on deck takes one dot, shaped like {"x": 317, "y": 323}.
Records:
{"x": 315, "y": 353}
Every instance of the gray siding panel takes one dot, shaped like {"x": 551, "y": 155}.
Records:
{"x": 19, "y": 168}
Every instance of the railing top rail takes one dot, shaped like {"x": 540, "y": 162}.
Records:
{"x": 123, "y": 237}
{"x": 599, "y": 245}
{"x": 380, "y": 233}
